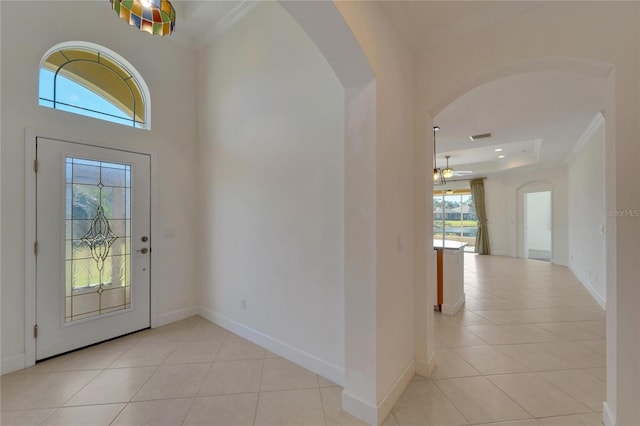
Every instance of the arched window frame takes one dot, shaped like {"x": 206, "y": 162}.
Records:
{"x": 115, "y": 57}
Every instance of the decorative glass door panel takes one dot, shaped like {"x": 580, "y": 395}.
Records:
{"x": 93, "y": 230}
{"x": 98, "y": 238}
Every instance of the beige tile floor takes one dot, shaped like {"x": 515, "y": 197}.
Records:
{"x": 188, "y": 373}
{"x": 527, "y": 350}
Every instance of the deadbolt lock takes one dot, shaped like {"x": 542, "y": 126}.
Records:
{"x": 144, "y": 239}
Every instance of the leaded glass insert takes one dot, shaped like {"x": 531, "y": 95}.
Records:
{"x": 98, "y": 238}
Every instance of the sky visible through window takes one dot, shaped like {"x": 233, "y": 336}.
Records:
{"x": 73, "y": 97}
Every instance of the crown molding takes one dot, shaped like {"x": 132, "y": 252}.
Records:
{"x": 226, "y": 22}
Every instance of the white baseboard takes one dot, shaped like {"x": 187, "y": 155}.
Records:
{"x": 393, "y": 394}
{"x": 607, "y": 417}
{"x": 360, "y": 409}
{"x": 597, "y": 297}
{"x": 425, "y": 368}
{"x": 586, "y": 284}
{"x": 374, "y": 415}
{"x": 453, "y": 309}
{"x": 560, "y": 262}
{"x": 13, "y": 363}
{"x": 304, "y": 359}
{"x": 174, "y": 316}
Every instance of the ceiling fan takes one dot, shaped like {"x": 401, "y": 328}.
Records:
{"x": 448, "y": 172}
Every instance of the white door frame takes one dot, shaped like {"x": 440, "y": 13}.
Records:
{"x": 30, "y": 229}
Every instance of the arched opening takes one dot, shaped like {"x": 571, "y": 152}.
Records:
{"x": 537, "y": 121}
{"x": 515, "y": 185}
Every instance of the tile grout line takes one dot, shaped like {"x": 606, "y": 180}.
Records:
{"x": 450, "y": 401}
{"x": 157, "y": 368}
{"x": 394, "y": 416}
{"x": 118, "y": 414}
{"x": 324, "y": 414}
{"x": 81, "y": 388}
{"x": 255, "y": 413}
{"x": 511, "y": 313}
{"x": 568, "y": 394}
{"x": 196, "y": 396}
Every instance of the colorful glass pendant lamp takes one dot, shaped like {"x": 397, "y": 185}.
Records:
{"x": 153, "y": 16}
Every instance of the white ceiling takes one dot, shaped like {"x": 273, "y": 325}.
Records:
{"x": 432, "y": 23}
{"x": 535, "y": 118}
{"x": 199, "y": 22}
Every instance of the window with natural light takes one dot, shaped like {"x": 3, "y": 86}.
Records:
{"x": 91, "y": 81}
{"x": 454, "y": 217}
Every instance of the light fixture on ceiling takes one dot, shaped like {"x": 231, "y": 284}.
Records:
{"x": 156, "y": 17}
{"x": 500, "y": 156}
{"x": 498, "y": 149}
{"x": 480, "y": 136}
{"x": 447, "y": 172}
{"x": 438, "y": 177}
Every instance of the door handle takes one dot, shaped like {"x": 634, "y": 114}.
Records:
{"x": 143, "y": 250}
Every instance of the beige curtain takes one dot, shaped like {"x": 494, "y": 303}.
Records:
{"x": 482, "y": 236}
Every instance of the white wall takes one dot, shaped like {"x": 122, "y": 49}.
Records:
{"x": 237, "y": 90}
{"x": 168, "y": 72}
{"x": 326, "y": 26}
{"x": 587, "y": 212}
{"x": 400, "y": 207}
{"x": 271, "y": 176}
{"x": 504, "y": 199}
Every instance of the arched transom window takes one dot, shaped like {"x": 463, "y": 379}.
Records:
{"x": 93, "y": 81}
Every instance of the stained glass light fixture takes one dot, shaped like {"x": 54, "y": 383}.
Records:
{"x": 153, "y": 16}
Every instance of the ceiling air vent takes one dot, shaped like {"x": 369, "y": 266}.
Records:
{"x": 481, "y": 136}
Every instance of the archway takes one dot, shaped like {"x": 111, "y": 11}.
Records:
{"x": 327, "y": 28}
{"x": 606, "y": 75}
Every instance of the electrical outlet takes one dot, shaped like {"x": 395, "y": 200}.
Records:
{"x": 243, "y": 304}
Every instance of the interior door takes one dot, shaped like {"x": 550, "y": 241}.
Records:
{"x": 93, "y": 244}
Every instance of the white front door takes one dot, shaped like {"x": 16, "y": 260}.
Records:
{"x": 93, "y": 243}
